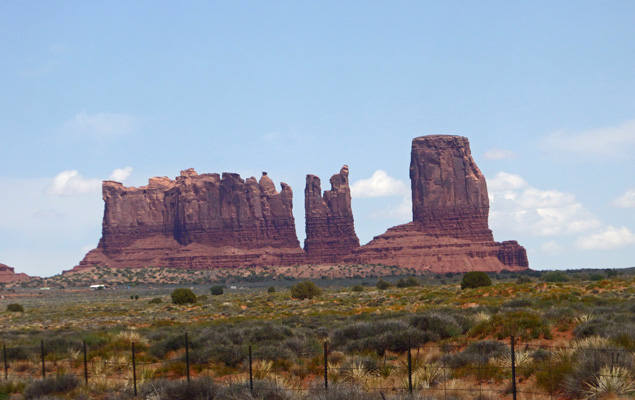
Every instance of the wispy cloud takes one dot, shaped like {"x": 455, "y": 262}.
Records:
{"x": 46, "y": 214}
{"x": 518, "y": 207}
{"x": 401, "y": 212}
{"x": 609, "y": 141}
{"x": 627, "y": 200}
{"x": 610, "y": 238}
{"x": 100, "y": 125}
{"x": 379, "y": 185}
{"x": 72, "y": 183}
{"x": 499, "y": 154}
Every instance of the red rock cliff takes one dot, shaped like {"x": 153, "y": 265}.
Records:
{"x": 196, "y": 221}
{"x": 330, "y": 229}
{"x": 450, "y": 207}
{"x": 7, "y": 274}
{"x": 449, "y": 194}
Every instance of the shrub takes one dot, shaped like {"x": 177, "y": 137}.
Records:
{"x": 202, "y": 298}
{"x": 382, "y": 284}
{"x": 183, "y": 296}
{"x": 15, "y": 307}
{"x": 555, "y": 277}
{"x": 474, "y": 279}
{"x": 443, "y": 325}
{"x": 596, "y": 277}
{"x": 523, "y": 279}
{"x": 217, "y": 290}
{"x": 357, "y": 288}
{"x": 156, "y": 300}
{"x": 305, "y": 290}
{"x": 408, "y": 282}
{"x": 163, "y": 389}
{"x": 271, "y": 289}
{"x": 59, "y": 384}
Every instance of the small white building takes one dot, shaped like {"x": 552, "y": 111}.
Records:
{"x": 97, "y": 287}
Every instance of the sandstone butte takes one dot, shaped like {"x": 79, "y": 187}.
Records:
{"x": 212, "y": 221}
{"x": 7, "y": 274}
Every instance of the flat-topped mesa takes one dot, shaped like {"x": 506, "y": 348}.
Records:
{"x": 449, "y": 193}
{"x": 206, "y": 209}
{"x": 7, "y": 274}
{"x": 330, "y": 229}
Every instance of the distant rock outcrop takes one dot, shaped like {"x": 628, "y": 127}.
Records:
{"x": 212, "y": 221}
{"x": 7, "y": 275}
{"x": 197, "y": 221}
{"x": 330, "y": 229}
{"x": 450, "y": 206}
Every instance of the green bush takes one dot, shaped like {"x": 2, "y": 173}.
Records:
{"x": 474, "y": 279}
{"x": 54, "y": 385}
{"x": 357, "y": 288}
{"x": 382, "y": 284}
{"x": 555, "y": 277}
{"x": 408, "y": 282}
{"x": 156, "y": 300}
{"x": 523, "y": 279}
{"x": 15, "y": 307}
{"x": 271, "y": 289}
{"x": 183, "y": 296}
{"x": 305, "y": 290}
{"x": 217, "y": 290}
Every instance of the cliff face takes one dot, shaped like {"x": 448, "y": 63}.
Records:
{"x": 449, "y": 194}
{"x": 330, "y": 229}
{"x": 450, "y": 208}
{"x": 195, "y": 220}
{"x": 7, "y": 274}
{"x": 211, "y": 221}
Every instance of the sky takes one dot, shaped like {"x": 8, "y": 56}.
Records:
{"x": 544, "y": 90}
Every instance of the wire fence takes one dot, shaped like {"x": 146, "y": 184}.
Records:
{"x": 489, "y": 369}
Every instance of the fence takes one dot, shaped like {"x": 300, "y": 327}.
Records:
{"x": 490, "y": 370}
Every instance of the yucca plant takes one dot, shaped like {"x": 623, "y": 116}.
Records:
{"x": 611, "y": 380}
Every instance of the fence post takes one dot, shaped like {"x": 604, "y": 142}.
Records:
{"x": 409, "y": 369}
{"x": 6, "y": 365}
{"x": 251, "y": 376}
{"x": 187, "y": 357}
{"x": 43, "y": 370}
{"x": 134, "y": 371}
{"x": 85, "y": 364}
{"x": 326, "y": 367}
{"x": 513, "y": 369}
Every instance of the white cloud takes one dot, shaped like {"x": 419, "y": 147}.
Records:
{"x": 499, "y": 154}
{"x": 521, "y": 209}
{"x": 120, "y": 174}
{"x": 627, "y": 200}
{"x": 71, "y": 183}
{"x": 379, "y": 185}
{"x": 609, "y": 238}
{"x": 552, "y": 248}
{"x": 46, "y": 214}
{"x": 608, "y": 141}
{"x": 101, "y": 125}
{"x": 400, "y": 212}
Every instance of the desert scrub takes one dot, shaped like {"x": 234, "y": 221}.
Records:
{"x": 183, "y": 296}
{"x": 305, "y": 290}
{"x": 474, "y": 279}
{"x": 525, "y": 324}
{"x": 60, "y": 384}
{"x": 15, "y": 307}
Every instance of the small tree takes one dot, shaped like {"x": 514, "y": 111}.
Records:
{"x": 305, "y": 290}
{"x": 217, "y": 290}
{"x": 474, "y": 279}
{"x": 271, "y": 289}
{"x": 15, "y": 307}
{"x": 382, "y": 284}
{"x": 183, "y": 296}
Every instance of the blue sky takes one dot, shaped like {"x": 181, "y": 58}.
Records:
{"x": 545, "y": 91}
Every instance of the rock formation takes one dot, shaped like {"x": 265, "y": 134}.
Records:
{"x": 197, "y": 221}
{"x": 330, "y": 230}
{"x": 7, "y": 274}
{"x": 212, "y": 221}
{"x": 450, "y": 207}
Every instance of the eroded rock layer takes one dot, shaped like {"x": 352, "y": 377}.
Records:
{"x": 450, "y": 207}
{"x": 197, "y": 221}
{"x": 7, "y": 274}
{"x": 330, "y": 229}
